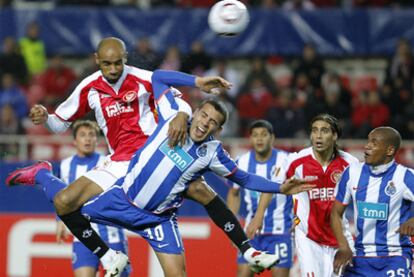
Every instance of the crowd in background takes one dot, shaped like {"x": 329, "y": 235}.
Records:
{"x": 28, "y": 77}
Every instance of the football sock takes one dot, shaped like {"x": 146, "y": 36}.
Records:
{"x": 227, "y": 221}
{"x": 82, "y": 229}
{"x": 50, "y": 184}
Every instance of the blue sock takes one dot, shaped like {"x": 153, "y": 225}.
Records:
{"x": 50, "y": 184}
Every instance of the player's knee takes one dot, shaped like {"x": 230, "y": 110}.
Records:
{"x": 64, "y": 203}
{"x": 200, "y": 192}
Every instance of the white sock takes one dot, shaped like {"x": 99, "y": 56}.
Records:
{"x": 108, "y": 257}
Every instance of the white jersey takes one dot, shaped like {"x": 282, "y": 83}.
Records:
{"x": 381, "y": 198}
{"x": 71, "y": 169}
{"x": 278, "y": 215}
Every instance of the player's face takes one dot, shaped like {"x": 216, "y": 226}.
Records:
{"x": 85, "y": 141}
{"x": 206, "y": 121}
{"x": 322, "y": 137}
{"x": 261, "y": 140}
{"x": 111, "y": 62}
{"x": 376, "y": 150}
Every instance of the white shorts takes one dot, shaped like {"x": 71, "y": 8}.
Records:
{"x": 106, "y": 174}
{"x": 315, "y": 260}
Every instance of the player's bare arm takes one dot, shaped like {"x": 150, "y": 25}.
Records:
{"x": 212, "y": 84}
{"x": 257, "y": 221}
{"x": 177, "y": 132}
{"x": 293, "y": 186}
{"x": 38, "y": 114}
{"x": 407, "y": 228}
{"x": 344, "y": 254}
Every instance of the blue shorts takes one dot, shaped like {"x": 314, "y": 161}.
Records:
{"x": 114, "y": 208}
{"x": 83, "y": 257}
{"x": 379, "y": 266}
{"x": 272, "y": 244}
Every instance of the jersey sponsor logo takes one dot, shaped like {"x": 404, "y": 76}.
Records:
{"x": 323, "y": 194}
{"x": 118, "y": 108}
{"x": 336, "y": 175}
{"x": 202, "y": 150}
{"x": 130, "y": 96}
{"x": 390, "y": 189}
{"x": 367, "y": 210}
{"x": 178, "y": 156}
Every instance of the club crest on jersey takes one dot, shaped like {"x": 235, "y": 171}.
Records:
{"x": 178, "y": 156}
{"x": 129, "y": 96}
{"x": 335, "y": 176}
{"x": 390, "y": 189}
{"x": 202, "y": 150}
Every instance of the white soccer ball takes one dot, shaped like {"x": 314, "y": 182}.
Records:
{"x": 228, "y": 17}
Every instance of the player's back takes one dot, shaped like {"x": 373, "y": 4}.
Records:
{"x": 278, "y": 215}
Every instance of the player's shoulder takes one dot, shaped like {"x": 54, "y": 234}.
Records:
{"x": 66, "y": 162}
{"x": 281, "y": 153}
{"x": 301, "y": 156}
{"x": 347, "y": 157}
{"x": 139, "y": 73}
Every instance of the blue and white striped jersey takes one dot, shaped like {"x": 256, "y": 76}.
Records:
{"x": 278, "y": 215}
{"x": 72, "y": 168}
{"x": 381, "y": 197}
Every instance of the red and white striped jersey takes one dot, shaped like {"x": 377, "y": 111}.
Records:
{"x": 125, "y": 111}
{"x": 313, "y": 208}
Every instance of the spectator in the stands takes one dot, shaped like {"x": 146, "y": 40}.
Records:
{"x": 12, "y": 62}
{"x": 311, "y": 65}
{"x": 253, "y": 104}
{"x": 33, "y": 49}
{"x": 197, "y": 61}
{"x": 222, "y": 69}
{"x": 400, "y": 71}
{"x": 143, "y": 55}
{"x": 258, "y": 69}
{"x": 287, "y": 120}
{"x": 11, "y": 95}
{"x": 56, "y": 81}
{"x": 9, "y": 125}
{"x": 369, "y": 113}
{"x": 172, "y": 59}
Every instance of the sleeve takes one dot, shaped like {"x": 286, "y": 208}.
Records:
{"x": 167, "y": 104}
{"x": 342, "y": 189}
{"x": 221, "y": 163}
{"x": 409, "y": 184}
{"x": 254, "y": 182}
{"x": 76, "y": 106}
{"x": 56, "y": 125}
{"x": 231, "y": 184}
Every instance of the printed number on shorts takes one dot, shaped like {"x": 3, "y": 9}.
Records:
{"x": 157, "y": 232}
{"x": 282, "y": 249}
{"x": 398, "y": 272}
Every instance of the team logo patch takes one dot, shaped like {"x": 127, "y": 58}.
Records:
{"x": 390, "y": 189}
{"x": 202, "y": 150}
{"x": 130, "y": 96}
{"x": 335, "y": 176}
{"x": 275, "y": 170}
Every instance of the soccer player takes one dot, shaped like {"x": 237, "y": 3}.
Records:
{"x": 84, "y": 262}
{"x": 146, "y": 198}
{"x": 276, "y": 222}
{"x": 381, "y": 191}
{"x": 122, "y": 98}
{"x": 321, "y": 164}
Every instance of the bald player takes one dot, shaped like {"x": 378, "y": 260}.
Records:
{"x": 381, "y": 191}
{"x": 122, "y": 99}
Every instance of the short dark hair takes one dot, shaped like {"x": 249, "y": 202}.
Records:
{"x": 331, "y": 120}
{"x": 218, "y": 106}
{"x": 391, "y": 136}
{"x": 261, "y": 123}
{"x": 84, "y": 123}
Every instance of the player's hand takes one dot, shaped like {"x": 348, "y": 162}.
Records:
{"x": 254, "y": 226}
{"x": 38, "y": 114}
{"x": 177, "y": 131}
{"x": 292, "y": 186}
{"x": 343, "y": 257}
{"x": 62, "y": 233}
{"x": 407, "y": 228}
{"x": 213, "y": 85}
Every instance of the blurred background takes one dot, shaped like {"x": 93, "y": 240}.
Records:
{"x": 297, "y": 58}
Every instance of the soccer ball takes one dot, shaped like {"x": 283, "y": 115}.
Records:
{"x": 228, "y": 17}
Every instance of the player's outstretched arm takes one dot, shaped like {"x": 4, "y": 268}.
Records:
{"x": 344, "y": 255}
{"x": 293, "y": 186}
{"x": 407, "y": 228}
{"x": 212, "y": 84}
